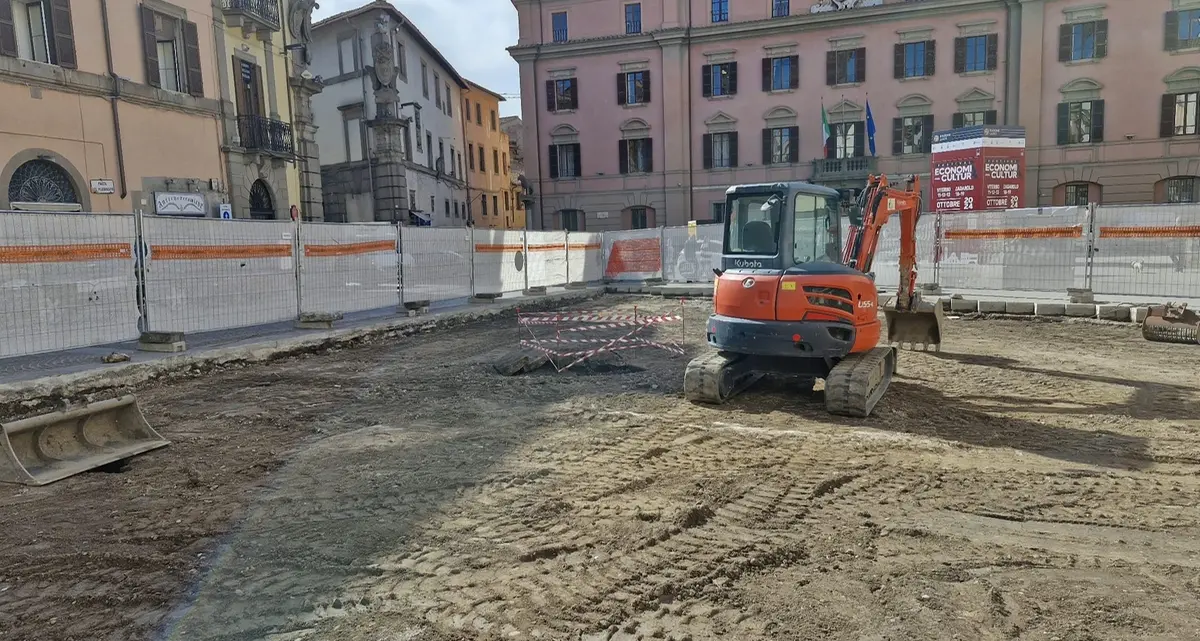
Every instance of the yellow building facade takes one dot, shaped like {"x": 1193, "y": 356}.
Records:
{"x": 255, "y": 71}
{"x": 489, "y": 180}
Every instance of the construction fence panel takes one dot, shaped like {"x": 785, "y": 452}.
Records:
{"x": 348, "y": 267}
{"x": 585, "y": 263}
{"x": 1147, "y": 250}
{"x": 887, "y": 252}
{"x": 66, "y": 281}
{"x": 205, "y": 274}
{"x": 633, "y": 254}
{"x": 437, "y": 263}
{"x": 547, "y": 258}
{"x": 1042, "y": 249}
{"x": 499, "y": 261}
{"x": 690, "y": 253}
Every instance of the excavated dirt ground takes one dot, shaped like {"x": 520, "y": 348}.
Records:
{"x": 1035, "y": 481}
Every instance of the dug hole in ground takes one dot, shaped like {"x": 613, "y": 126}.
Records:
{"x": 1033, "y": 481}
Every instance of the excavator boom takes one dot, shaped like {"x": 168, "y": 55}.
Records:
{"x": 910, "y": 320}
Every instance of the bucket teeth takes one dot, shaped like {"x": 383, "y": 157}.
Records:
{"x": 922, "y": 325}
{"x": 47, "y": 448}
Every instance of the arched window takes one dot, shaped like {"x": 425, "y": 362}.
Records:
{"x": 261, "y": 205}
{"x": 1077, "y": 194}
{"x": 1178, "y": 189}
{"x": 41, "y": 181}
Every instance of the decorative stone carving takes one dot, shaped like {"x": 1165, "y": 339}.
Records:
{"x": 840, "y": 5}
{"x": 384, "y": 70}
{"x": 300, "y": 23}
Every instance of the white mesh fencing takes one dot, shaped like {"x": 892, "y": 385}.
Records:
{"x": 348, "y": 267}
{"x": 74, "y": 280}
{"x": 1148, "y": 250}
{"x": 1019, "y": 249}
{"x": 208, "y": 274}
{"x": 437, "y": 263}
{"x": 66, "y": 280}
{"x": 585, "y": 257}
{"x": 499, "y": 261}
{"x": 547, "y": 258}
{"x": 689, "y": 254}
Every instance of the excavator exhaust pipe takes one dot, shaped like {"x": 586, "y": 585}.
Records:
{"x": 921, "y": 325}
{"x": 47, "y": 448}
{"x": 1172, "y": 323}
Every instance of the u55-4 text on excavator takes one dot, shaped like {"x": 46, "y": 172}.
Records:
{"x": 790, "y": 298}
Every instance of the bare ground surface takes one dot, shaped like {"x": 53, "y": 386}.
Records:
{"x": 1035, "y": 481}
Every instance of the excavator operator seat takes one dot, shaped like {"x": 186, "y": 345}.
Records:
{"x": 758, "y": 237}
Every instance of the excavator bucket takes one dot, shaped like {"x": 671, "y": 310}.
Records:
{"x": 47, "y": 448}
{"x": 1172, "y": 323}
{"x": 921, "y": 325}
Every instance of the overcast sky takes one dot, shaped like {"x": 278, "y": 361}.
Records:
{"x": 471, "y": 34}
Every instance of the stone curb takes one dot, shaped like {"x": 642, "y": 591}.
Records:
{"x": 51, "y": 392}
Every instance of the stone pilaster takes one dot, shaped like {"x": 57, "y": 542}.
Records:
{"x": 308, "y": 159}
{"x": 391, "y": 183}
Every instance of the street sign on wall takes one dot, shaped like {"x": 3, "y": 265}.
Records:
{"x": 978, "y": 169}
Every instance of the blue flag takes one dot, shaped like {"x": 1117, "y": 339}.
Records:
{"x": 870, "y": 128}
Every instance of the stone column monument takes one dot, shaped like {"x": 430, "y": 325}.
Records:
{"x": 391, "y": 185}
{"x": 304, "y": 87}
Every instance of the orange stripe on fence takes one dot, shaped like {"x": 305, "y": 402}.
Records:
{"x": 64, "y": 253}
{"x": 479, "y": 247}
{"x": 1163, "y": 231}
{"x": 585, "y": 246}
{"x": 1020, "y": 232}
{"x": 349, "y": 249}
{"x": 210, "y": 252}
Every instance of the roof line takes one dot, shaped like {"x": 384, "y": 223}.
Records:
{"x": 475, "y": 85}
{"x": 408, "y": 26}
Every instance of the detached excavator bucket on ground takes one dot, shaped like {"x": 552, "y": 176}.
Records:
{"x": 47, "y": 448}
{"x": 921, "y": 325}
{"x": 1172, "y": 323}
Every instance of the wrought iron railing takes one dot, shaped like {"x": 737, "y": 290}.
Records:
{"x": 560, "y": 35}
{"x": 633, "y": 26}
{"x": 259, "y": 133}
{"x": 781, "y": 8}
{"x": 263, "y": 11}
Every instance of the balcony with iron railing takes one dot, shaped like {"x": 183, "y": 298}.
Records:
{"x": 259, "y": 133}
{"x": 836, "y": 169}
{"x": 560, "y": 35}
{"x": 252, "y": 15}
{"x": 633, "y": 25}
{"x": 781, "y": 8}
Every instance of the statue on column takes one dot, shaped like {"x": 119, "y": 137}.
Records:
{"x": 300, "y": 23}
{"x": 384, "y": 70}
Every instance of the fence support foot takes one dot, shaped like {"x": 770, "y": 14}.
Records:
{"x": 484, "y": 299}
{"x": 1080, "y": 295}
{"x": 168, "y": 342}
{"x": 416, "y": 307}
{"x": 536, "y": 291}
{"x": 317, "y": 320}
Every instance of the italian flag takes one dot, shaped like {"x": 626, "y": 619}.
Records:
{"x": 825, "y": 132}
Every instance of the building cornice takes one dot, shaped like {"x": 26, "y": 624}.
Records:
{"x": 84, "y": 83}
{"x": 766, "y": 27}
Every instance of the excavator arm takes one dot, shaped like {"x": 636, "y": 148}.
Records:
{"x": 909, "y": 320}
{"x": 878, "y": 203}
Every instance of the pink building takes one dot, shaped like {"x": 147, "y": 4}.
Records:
{"x": 640, "y": 114}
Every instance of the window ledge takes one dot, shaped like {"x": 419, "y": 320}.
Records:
{"x": 1079, "y": 145}
{"x": 636, "y": 105}
{"x": 915, "y": 78}
{"x": 563, "y": 112}
{"x": 1182, "y": 51}
{"x": 728, "y": 96}
{"x": 846, "y": 85}
{"x": 972, "y": 74}
{"x": 1082, "y": 61}
{"x": 781, "y": 91}
{"x": 917, "y": 155}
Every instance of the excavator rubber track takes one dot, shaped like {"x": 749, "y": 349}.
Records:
{"x": 1172, "y": 323}
{"x": 717, "y": 377}
{"x": 856, "y": 384}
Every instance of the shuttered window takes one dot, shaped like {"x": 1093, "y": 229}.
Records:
{"x": 49, "y": 36}
{"x": 171, "y": 48}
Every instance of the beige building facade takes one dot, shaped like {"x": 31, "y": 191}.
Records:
{"x": 85, "y": 129}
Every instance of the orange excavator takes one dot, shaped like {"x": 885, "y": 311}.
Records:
{"x": 792, "y": 299}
